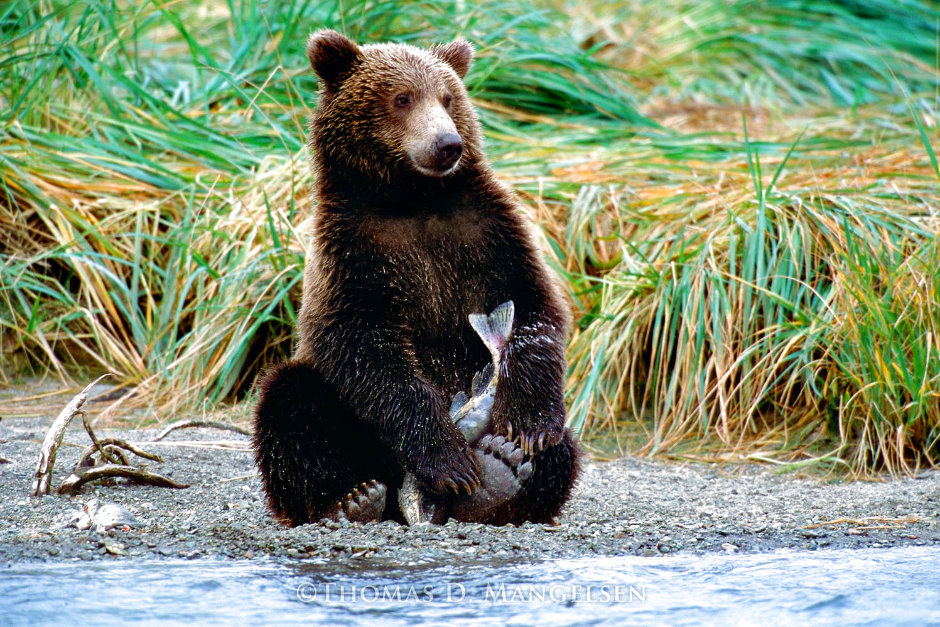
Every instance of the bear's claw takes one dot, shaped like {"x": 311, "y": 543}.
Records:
{"x": 462, "y": 475}
{"x": 532, "y": 437}
{"x": 535, "y": 441}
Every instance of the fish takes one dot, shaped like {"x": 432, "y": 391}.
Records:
{"x": 99, "y": 517}
{"x": 417, "y": 507}
{"x": 471, "y": 413}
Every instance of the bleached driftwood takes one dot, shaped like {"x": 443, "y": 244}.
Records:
{"x": 110, "y": 449}
{"x": 112, "y": 459}
{"x": 50, "y": 444}
{"x": 189, "y": 424}
{"x": 81, "y": 476}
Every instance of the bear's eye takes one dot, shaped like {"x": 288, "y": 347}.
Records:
{"x": 403, "y": 100}
{"x": 448, "y": 99}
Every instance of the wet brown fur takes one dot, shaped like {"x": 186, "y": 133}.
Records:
{"x": 399, "y": 260}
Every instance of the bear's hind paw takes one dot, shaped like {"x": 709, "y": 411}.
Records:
{"x": 510, "y": 453}
{"x": 504, "y": 469}
{"x": 365, "y": 503}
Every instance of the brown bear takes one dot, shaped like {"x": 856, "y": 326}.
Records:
{"x": 412, "y": 233}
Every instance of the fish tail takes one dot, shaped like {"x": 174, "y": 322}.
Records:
{"x": 495, "y": 328}
{"x": 501, "y": 320}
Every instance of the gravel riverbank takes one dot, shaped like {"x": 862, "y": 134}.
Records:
{"x": 627, "y": 506}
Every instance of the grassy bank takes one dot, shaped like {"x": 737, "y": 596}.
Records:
{"x": 742, "y": 198}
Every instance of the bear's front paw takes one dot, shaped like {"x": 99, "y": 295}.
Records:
{"x": 532, "y": 437}
{"x": 456, "y": 472}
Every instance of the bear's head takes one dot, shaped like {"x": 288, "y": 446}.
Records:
{"x": 389, "y": 111}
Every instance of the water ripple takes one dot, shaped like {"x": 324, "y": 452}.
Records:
{"x": 883, "y": 586}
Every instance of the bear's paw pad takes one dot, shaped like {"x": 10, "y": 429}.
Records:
{"x": 365, "y": 503}
{"x": 511, "y": 455}
{"x": 503, "y": 469}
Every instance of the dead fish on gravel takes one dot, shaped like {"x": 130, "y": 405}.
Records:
{"x": 99, "y": 517}
{"x": 471, "y": 415}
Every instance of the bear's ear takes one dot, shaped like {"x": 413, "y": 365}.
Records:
{"x": 331, "y": 55}
{"x": 458, "y": 54}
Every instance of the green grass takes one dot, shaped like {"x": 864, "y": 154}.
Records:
{"x": 804, "y": 53}
{"x": 805, "y": 308}
{"x": 742, "y": 198}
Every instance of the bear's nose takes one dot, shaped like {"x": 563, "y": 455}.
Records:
{"x": 447, "y": 149}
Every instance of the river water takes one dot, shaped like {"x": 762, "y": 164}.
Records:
{"x": 871, "y": 586}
